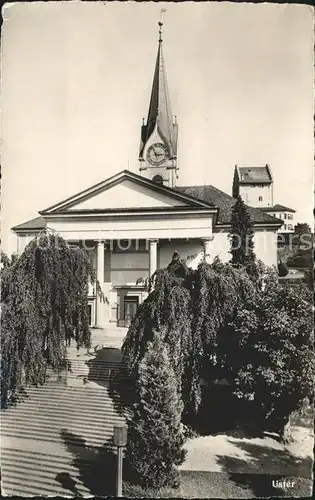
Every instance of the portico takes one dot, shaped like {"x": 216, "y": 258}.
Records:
{"x": 123, "y": 266}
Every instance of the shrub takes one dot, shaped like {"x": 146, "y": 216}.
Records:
{"x": 155, "y": 433}
{"x": 282, "y": 269}
{"x": 273, "y": 357}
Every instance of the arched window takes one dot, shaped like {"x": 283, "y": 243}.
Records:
{"x": 158, "y": 179}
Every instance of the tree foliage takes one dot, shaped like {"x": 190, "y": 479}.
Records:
{"x": 221, "y": 324}
{"x": 167, "y": 310}
{"x": 242, "y": 236}
{"x": 282, "y": 269}
{"x": 155, "y": 434}
{"x": 44, "y": 305}
{"x": 273, "y": 349}
{"x": 302, "y": 258}
{"x": 302, "y": 228}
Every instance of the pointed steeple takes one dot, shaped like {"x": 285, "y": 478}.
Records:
{"x": 160, "y": 114}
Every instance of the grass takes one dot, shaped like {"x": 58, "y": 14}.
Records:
{"x": 200, "y": 484}
{"x": 193, "y": 484}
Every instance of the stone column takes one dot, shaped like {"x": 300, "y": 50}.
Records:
{"x": 100, "y": 312}
{"x": 207, "y": 248}
{"x": 152, "y": 256}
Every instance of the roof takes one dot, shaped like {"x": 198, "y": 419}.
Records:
{"x": 253, "y": 175}
{"x": 277, "y": 208}
{"x": 160, "y": 113}
{"x": 37, "y": 223}
{"x": 200, "y": 197}
{"x": 225, "y": 202}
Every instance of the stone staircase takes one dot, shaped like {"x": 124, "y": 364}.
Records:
{"x": 60, "y": 432}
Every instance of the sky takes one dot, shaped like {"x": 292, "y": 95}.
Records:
{"x": 76, "y": 80}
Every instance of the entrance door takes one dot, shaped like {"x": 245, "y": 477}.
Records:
{"x": 130, "y": 306}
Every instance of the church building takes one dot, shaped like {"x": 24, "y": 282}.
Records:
{"x": 131, "y": 223}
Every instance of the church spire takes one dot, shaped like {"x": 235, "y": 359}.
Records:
{"x": 160, "y": 115}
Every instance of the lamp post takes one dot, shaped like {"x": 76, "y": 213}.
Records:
{"x": 120, "y": 440}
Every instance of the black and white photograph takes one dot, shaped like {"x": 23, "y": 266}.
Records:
{"x": 157, "y": 295}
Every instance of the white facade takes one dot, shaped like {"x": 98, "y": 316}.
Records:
{"x": 257, "y": 195}
{"x": 287, "y": 217}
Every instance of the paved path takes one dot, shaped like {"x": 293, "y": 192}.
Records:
{"x": 237, "y": 454}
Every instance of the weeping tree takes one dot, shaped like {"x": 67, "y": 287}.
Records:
{"x": 44, "y": 305}
{"x": 167, "y": 310}
{"x": 188, "y": 308}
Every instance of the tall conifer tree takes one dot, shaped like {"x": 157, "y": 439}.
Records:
{"x": 242, "y": 236}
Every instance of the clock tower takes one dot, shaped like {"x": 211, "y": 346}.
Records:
{"x": 158, "y": 147}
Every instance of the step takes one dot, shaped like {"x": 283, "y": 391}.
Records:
{"x": 68, "y": 414}
{"x": 44, "y": 424}
{"x": 75, "y": 396}
{"x": 61, "y": 414}
{"x": 92, "y": 360}
{"x": 56, "y": 438}
{"x": 73, "y": 403}
{"x": 33, "y": 456}
{"x": 46, "y": 428}
{"x": 67, "y": 409}
{"x": 31, "y": 474}
{"x": 47, "y": 465}
{"x": 59, "y": 389}
{"x": 46, "y": 457}
{"x": 36, "y": 470}
{"x": 18, "y": 487}
{"x": 56, "y": 426}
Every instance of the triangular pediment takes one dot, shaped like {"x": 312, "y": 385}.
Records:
{"x": 125, "y": 190}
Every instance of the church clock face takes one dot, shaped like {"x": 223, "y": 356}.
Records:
{"x": 157, "y": 153}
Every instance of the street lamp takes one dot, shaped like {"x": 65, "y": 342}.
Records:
{"x": 120, "y": 440}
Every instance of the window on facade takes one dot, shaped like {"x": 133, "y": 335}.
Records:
{"x": 285, "y": 216}
{"x": 260, "y": 198}
{"x": 290, "y": 226}
{"x": 158, "y": 179}
{"x": 290, "y": 216}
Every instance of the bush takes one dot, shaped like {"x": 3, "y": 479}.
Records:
{"x": 273, "y": 360}
{"x": 282, "y": 269}
{"x": 155, "y": 433}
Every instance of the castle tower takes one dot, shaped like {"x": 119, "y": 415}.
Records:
{"x": 158, "y": 147}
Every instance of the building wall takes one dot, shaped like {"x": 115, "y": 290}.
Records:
{"x": 133, "y": 196}
{"x": 221, "y": 245}
{"x": 288, "y": 221}
{"x": 257, "y": 195}
{"x": 265, "y": 246}
{"x": 190, "y": 250}
{"x": 23, "y": 240}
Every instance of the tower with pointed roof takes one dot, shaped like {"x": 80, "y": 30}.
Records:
{"x": 158, "y": 147}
